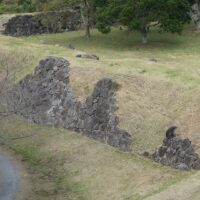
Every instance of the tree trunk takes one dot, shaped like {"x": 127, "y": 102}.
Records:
{"x": 144, "y": 33}
{"x": 85, "y": 14}
{"x": 195, "y": 14}
{"x": 87, "y": 30}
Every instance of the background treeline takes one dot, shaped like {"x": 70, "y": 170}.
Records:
{"x": 16, "y": 6}
{"x": 26, "y": 6}
{"x": 138, "y": 15}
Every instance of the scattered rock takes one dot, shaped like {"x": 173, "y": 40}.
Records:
{"x": 42, "y": 42}
{"x": 177, "y": 153}
{"x": 88, "y": 56}
{"x": 153, "y": 60}
{"x": 171, "y": 132}
{"x": 182, "y": 167}
{"x": 70, "y": 46}
{"x": 46, "y": 97}
{"x": 146, "y": 154}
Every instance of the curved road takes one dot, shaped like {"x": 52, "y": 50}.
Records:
{"x": 9, "y": 179}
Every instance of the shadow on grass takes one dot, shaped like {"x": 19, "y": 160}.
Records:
{"x": 119, "y": 40}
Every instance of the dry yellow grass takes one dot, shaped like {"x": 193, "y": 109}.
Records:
{"x": 97, "y": 171}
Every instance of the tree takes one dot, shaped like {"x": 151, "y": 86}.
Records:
{"x": 85, "y": 6}
{"x": 140, "y": 15}
{"x": 25, "y": 5}
{"x": 195, "y": 13}
{"x": 16, "y": 6}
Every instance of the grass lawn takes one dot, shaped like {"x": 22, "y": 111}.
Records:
{"x": 152, "y": 96}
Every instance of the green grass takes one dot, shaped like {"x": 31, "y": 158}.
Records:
{"x": 122, "y": 51}
{"x": 30, "y": 153}
{"x": 121, "y": 41}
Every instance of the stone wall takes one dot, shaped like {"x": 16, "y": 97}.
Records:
{"x": 24, "y": 26}
{"x": 52, "y": 22}
{"x": 46, "y": 97}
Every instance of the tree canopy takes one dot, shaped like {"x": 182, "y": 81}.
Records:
{"x": 140, "y": 15}
{"x": 49, "y": 5}
{"x": 16, "y": 6}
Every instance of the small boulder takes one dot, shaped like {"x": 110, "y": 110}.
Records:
{"x": 146, "y": 154}
{"x": 70, "y": 46}
{"x": 153, "y": 60}
{"x": 88, "y": 56}
{"x": 182, "y": 167}
{"x": 170, "y": 133}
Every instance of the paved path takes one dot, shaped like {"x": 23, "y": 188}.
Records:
{"x": 9, "y": 180}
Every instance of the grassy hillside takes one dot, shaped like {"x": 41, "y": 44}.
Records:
{"x": 153, "y": 96}
{"x": 66, "y": 164}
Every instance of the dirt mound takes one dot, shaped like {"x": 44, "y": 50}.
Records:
{"x": 46, "y": 97}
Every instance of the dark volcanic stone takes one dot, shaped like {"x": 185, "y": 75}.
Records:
{"x": 24, "y": 26}
{"x": 52, "y": 22}
{"x": 46, "y": 97}
{"x": 177, "y": 153}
